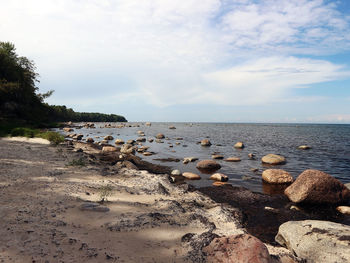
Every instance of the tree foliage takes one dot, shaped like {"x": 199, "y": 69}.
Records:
{"x": 19, "y": 97}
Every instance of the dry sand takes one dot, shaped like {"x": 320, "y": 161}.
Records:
{"x": 149, "y": 219}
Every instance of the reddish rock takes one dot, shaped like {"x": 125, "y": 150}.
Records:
{"x": 313, "y": 186}
{"x": 242, "y": 248}
{"x": 208, "y": 165}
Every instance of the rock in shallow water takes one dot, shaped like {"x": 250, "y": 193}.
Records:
{"x": 232, "y": 159}
{"x": 208, "y": 165}
{"x": 191, "y": 176}
{"x": 239, "y": 145}
{"x": 273, "y": 159}
{"x": 316, "y": 241}
{"x": 277, "y": 176}
{"x": 205, "y": 142}
{"x": 219, "y": 177}
{"x": 313, "y": 186}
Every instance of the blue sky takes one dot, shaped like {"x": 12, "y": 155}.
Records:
{"x": 193, "y": 60}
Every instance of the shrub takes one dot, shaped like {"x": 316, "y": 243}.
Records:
{"x": 79, "y": 162}
{"x": 26, "y": 132}
{"x": 105, "y": 192}
{"x": 53, "y": 137}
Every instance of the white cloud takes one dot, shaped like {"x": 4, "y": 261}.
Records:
{"x": 178, "y": 52}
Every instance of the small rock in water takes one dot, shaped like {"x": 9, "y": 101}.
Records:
{"x": 304, "y": 147}
{"x": 232, "y": 159}
{"x": 119, "y": 141}
{"x": 172, "y": 127}
{"x": 175, "y": 172}
{"x": 277, "y": 176}
{"x": 205, "y": 142}
{"x": 108, "y": 137}
{"x": 160, "y": 136}
{"x": 273, "y": 159}
{"x": 190, "y": 159}
{"x": 254, "y": 170}
{"x": 251, "y": 156}
{"x": 219, "y": 177}
{"x": 217, "y": 156}
{"x": 344, "y": 209}
{"x": 208, "y": 165}
{"x": 239, "y": 145}
{"x": 191, "y": 176}
{"x": 217, "y": 183}
{"x": 89, "y": 140}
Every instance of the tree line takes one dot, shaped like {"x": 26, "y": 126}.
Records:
{"x": 20, "y": 99}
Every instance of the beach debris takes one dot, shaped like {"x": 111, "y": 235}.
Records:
{"x": 277, "y": 176}
{"x": 205, "y": 142}
{"x": 304, "y": 147}
{"x": 191, "y": 176}
{"x": 219, "y": 177}
{"x": 160, "y": 136}
{"x": 273, "y": 159}
{"x": 316, "y": 241}
{"x": 313, "y": 186}
{"x": 239, "y": 145}
{"x": 237, "y": 248}
{"x": 232, "y": 159}
{"x": 208, "y": 165}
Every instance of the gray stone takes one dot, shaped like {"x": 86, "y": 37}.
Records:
{"x": 93, "y": 207}
{"x": 316, "y": 241}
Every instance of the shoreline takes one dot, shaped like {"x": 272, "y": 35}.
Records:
{"x": 42, "y": 197}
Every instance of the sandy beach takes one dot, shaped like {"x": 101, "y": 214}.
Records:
{"x": 50, "y": 211}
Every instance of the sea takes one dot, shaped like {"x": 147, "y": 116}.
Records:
{"x": 330, "y": 148}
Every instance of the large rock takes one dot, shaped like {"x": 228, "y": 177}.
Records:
{"x": 242, "y": 248}
{"x": 313, "y": 186}
{"x": 208, "y": 165}
{"x": 205, "y": 142}
{"x": 277, "y": 176}
{"x": 191, "y": 176}
{"x": 273, "y": 159}
{"x": 316, "y": 241}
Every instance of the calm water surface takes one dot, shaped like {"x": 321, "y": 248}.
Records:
{"x": 330, "y": 147}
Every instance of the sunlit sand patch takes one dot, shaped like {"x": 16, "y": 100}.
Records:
{"x": 20, "y": 161}
{"x": 25, "y": 139}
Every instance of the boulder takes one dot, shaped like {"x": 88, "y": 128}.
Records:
{"x": 108, "y": 137}
{"x": 191, "y": 176}
{"x": 313, "y": 186}
{"x": 160, "y": 136}
{"x": 208, "y": 165}
{"x": 217, "y": 156}
{"x": 239, "y": 145}
{"x": 316, "y": 241}
{"x": 205, "y": 142}
{"x": 273, "y": 159}
{"x": 304, "y": 147}
{"x": 119, "y": 141}
{"x": 277, "y": 176}
{"x": 232, "y": 159}
{"x": 243, "y": 248}
{"x": 109, "y": 149}
{"x": 219, "y": 177}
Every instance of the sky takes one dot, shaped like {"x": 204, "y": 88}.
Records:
{"x": 189, "y": 60}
